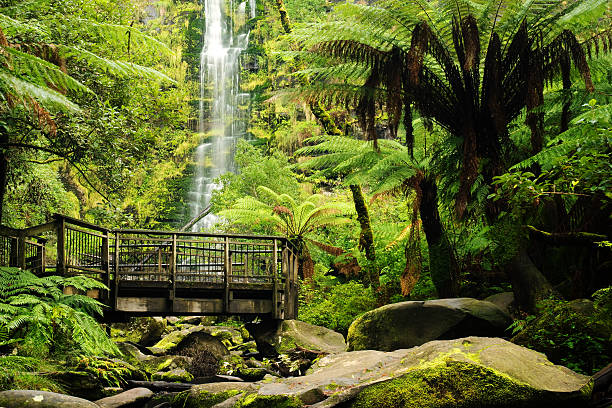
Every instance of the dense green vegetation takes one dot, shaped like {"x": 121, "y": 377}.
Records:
{"x": 410, "y": 150}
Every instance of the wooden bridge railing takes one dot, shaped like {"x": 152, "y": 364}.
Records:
{"x": 165, "y": 272}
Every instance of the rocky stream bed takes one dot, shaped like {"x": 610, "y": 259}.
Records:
{"x": 443, "y": 353}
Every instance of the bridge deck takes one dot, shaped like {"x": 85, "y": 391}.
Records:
{"x": 165, "y": 272}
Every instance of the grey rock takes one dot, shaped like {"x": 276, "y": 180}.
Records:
{"x": 127, "y": 398}
{"x": 279, "y": 337}
{"x": 41, "y": 399}
{"x": 504, "y": 300}
{"x": 409, "y": 324}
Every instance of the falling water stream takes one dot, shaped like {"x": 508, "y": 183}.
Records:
{"x": 222, "y": 119}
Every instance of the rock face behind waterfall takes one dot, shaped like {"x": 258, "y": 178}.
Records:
{"x": 409, "y": 324}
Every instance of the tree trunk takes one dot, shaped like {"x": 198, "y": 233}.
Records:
{"x": 3, "y": 169}
{"x": 325, "y": 119}
{"x": 283, "y": 16}
{"x": 528, "y": 283}
{"x": 315, "y": 107}
{"x": 366, "y": 237}
{"x": 442, "y": 263}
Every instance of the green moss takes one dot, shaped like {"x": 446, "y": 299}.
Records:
{"x": 269, "y": 401}
{"x": 177, "y": 375}
{"x": 251, "y": 374}
{"x": 203, "y": 399}
{"x": 170, "y": 341}
{"x": 458, "y": 385}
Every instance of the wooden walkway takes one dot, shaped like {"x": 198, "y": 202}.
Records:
{"x": 164, "y": 272}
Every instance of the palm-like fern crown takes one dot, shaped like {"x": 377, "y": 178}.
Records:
{"x": 472, "y": 66}
{"x": 289, "y": 216}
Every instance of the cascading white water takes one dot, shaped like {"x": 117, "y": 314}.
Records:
{"x": 219, "y": 84}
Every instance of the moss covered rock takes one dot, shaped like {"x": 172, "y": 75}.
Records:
{"x": 451, "y": 384}
{"x": 409, "y": 324}
{"x": 208, "y": 395}
{"x": 176, "y": 375}
{"x": 182, "y": 341}
{"x": 202, "y": 399}
{"x": 467, "y": 372}
{"x": 142, "y": 330}
{"x": 279, "y": 337}
{"x": 269, "y": 401}
{"x": 154, "y": 364}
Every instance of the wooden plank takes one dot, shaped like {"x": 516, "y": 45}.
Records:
{"x": 75, "y": 221}
{"x": 38, "y": 229}
{"x": 197, "y": 306}
{"x": 250, "y": 306}
{"x": 142, "y": 304}
{"x": 84, "y": 231}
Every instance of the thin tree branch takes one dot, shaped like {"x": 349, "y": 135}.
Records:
{"x": 65, "y": 157}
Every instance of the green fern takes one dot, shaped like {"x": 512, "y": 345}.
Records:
{"x": 37, "y": 310}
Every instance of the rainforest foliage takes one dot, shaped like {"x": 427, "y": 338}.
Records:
{"x": 410, "y": 149}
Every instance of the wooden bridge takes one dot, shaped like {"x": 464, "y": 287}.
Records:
{"x": 163, "y": 272}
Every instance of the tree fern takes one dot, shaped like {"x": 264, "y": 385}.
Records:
{"x": 294, "y": 219}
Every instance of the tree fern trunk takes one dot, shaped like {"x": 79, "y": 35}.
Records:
{"x": 442, "y": 263}
{"x": 528, "y": 283}
{"x": 366, "y": 237}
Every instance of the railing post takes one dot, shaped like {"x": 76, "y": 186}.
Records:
{"x": 14, "y": 249}
{"x": 286, "y": 274}
{"x": 61, "y": 246}
{"x": 117, "y": 260}
{"x": 173, "y": 272}
{"x": 294, "y": 285}
{"x": 275, "y": 277}
{"x": 40, "y": 255}
{"x": 106, "y": 263}
{"x": 227, "y": 267}
{"x": 21, "y": 252}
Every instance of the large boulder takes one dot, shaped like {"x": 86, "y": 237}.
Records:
{"x": 41, "y": 399}
{"x": 504, "y": 300}
{"x": 183, "y": 342}
{"x": 145, "y": 331}
{"x": 279, "y": 337}
{"x": 467, "y": 372}
{"x": 409, "y": 324}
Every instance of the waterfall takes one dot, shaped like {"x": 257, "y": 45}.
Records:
{"x": 220, "y": 97}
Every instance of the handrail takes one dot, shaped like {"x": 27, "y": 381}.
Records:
{"x": 197, "y": 234}
{"x": 80, "y": 223}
